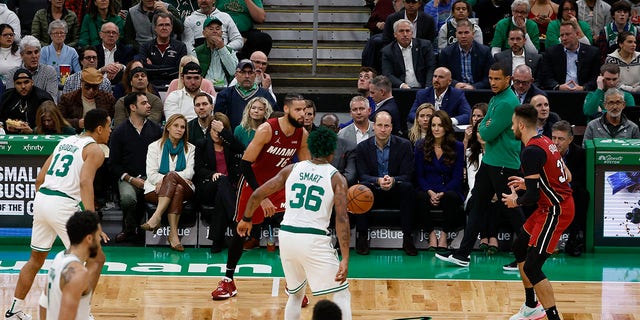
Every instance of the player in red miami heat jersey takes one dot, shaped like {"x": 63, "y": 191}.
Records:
{"x": 272, "y": 148}
{"x": 546, "y": 182}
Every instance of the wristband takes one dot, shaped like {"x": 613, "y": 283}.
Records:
{"x": 130, "y": 179}
{"x": 246, "y": 219}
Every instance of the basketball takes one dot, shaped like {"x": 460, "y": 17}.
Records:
{"x": 359, "y": 199}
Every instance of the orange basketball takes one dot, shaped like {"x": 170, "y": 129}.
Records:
{"x": 359, "y": 199}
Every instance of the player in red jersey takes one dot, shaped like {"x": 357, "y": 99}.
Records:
{"x": 275, "y": 143}
{"x": 546, "y": 181}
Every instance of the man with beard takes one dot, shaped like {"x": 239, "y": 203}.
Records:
{"x": 203, "y": 106}
{"x": 181, "y": 101}
{"x": 500, "y": 161}
{"x": 139, "y": 82}
{"x": 69, "y": 290}
{"x": 232, "y": 100}
{"x": 21, "y": 103}
{"x": 275, "y": 144}
{"x": 65, "y": 184}
{"x": 612, "y": 124}
{"x": 546, "y": 183}
{"x": 518, "y": 55}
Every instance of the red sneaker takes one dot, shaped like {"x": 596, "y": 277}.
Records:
{"x": 225, "y": 290}
{"x": 305, "y": 301}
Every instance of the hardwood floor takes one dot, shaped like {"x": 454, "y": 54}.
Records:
{"x": 149, "y": 297}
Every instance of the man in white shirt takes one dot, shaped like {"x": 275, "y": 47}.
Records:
{"x": 181, "y": 101}
{"x": 361, "y": 128}
{"x": 194, "y": 24}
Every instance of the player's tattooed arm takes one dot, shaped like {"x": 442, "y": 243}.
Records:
{"x": 68, "y": 273}
{"x": 343, "y": 231}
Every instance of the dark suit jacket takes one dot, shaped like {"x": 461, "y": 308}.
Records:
{"x": 344, "y": 159}
{"x": 532, "y": 92}
{"x": 454, "y": 103}
{"x": 401, "y": 166}
{"x": 71, "y": 106}
{"x": 392, "y": 107}
{"x": 205, "y": 158}
{"x": 554, "y": 67}
{"x": 426, "y": 28}
{"x": 124, "y": 54}
{"x": 481, "y": 61}
{"x": 531, "y": 59}
{"x": 423, "y": 62}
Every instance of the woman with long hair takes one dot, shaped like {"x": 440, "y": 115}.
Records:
{"x": 421, "y": 122}
{"x": 9, "y": 52}
{"x": 439, "y": 161}
{"x": 176, "y": 84}
{"x": 217, "y": 174}
{"x": 628, "y": 59}
{"x": 255, "y": 113}
{"x": 124, "y": 87}
{"x": 170, "y": 167}
{"x": 99, "y": 13}
{"x": 478, "y": 111}
{"x": 49, "y": 120}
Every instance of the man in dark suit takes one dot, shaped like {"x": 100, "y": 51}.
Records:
{"x": 570, "y": 65}
{"x": 517, "y": 55}
{"x": 576, "y": 160}
{"x": 385, "y": 165}
{"x": 425, "y": 29}
{"x": 112, "y": 56}
{"x": 523, "y": 84}
{"x": 444, "y": 97}
{"x": 397, "y": 54}
{"x": 380, "y": 91}
{"x": 473, "y": 73}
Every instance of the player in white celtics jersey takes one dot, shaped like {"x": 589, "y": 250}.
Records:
{"x": 69, "y": 285}
{"x": 313, "y": 188}
{"x": 65, "y": 185}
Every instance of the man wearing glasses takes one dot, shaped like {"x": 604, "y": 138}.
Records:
{"x": 88, "y": 59}
{"x": 74, "y": 105}
{"x": 232, "y": 100}
{"x": 112, "y": 56}
{"x": 523, "y": 85}
{"x": 612, "y": 124}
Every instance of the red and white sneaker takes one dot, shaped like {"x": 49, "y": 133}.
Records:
{"x": 225, "y": 290}
{"x": 305, "y": 301}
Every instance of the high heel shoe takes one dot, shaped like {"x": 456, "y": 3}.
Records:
{"x": 148, "y": 227}
{"x": 177, "y": 247}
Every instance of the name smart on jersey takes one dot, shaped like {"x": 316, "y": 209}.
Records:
{"x": 307, "y": 176}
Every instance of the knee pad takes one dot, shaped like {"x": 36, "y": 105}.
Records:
{"x": 520, "y": 246}
{"x": 533, "y": 266}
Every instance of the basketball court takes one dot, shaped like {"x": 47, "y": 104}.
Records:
{"x": 157, "y": 283}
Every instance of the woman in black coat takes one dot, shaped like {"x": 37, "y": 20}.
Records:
{"x": 217, "y": 166}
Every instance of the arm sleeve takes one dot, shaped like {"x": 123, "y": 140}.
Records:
{"x": 531, "y": 195}
{"x": 533, "y": 159}
{"x": 248, "y": 174}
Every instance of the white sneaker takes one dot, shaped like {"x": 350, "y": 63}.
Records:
{"x": 16, "y": 316}
{"x": 527, "y": 313}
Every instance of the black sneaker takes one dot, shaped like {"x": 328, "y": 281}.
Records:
{"x": 362, "y": 245}
{"x": 513, "y": 266}
{"x": 451, "y": 258}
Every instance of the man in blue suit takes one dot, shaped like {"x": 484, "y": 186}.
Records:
{"x": 385, "y": 165}
{"x": 444, "y": 97}
{"x": 408, "y": 62}
{"x": 468, "y": 60}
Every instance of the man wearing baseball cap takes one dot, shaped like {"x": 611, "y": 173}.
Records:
{"x": 194, "y": 24}
{"x": 217, "y": 60}
{"x": 21, "y": 102}
{"x": 232, "y": 100}
{"x": 75, "y": 104}
{"x": 181, "y": 101}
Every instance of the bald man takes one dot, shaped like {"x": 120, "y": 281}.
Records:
{"x": 443, "y": 96}
{"x": 546, "y": 118}
{"x": 263, "y": 79}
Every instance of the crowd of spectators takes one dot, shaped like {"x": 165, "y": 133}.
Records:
{"x": 211, "y": 61}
